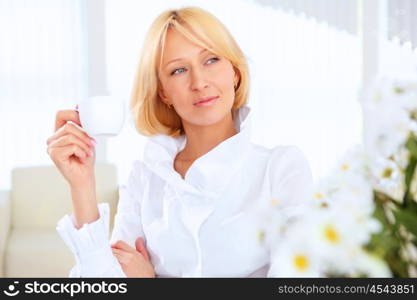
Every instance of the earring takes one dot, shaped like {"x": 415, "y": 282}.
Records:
{"x": 169, "y": 105}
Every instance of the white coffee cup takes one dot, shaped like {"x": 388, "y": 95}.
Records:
{"x": 102, "y": 115}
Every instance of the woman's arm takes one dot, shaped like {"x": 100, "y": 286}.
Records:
{"x": 84, "y": 204}
{"x": 90, "y": 244}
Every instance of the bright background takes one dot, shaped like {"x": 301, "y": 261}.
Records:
{"x": 308, "y": 61}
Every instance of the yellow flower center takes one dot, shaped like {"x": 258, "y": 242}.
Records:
{"x": 323, "y": 205}
{"x": 318, "y": 196}
{"x": 301, "y": 262}
{"x": 387, "y": 173}
{"x": 274, "y": 202}
{"x": 413, "y": 115}
{"x": 345, "y": 167}
{"x": 399, "y": 90}
{"x": 331, "y": 234}
{"x": 261, "y": 236}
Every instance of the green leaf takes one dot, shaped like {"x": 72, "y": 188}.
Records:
{"x": 408, "y": 219}
{"x": 411, "y": 145}
{"x": 397, "y": 265}
{"x": 381, "y": 198}
{"x": 384, "y": 241}
{"x": 411, "y": 204}
{"x": 410, "y": 170}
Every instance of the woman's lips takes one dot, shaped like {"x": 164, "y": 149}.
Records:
{"x": 207, "y": 102}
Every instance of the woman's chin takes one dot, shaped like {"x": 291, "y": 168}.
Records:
{"x": 207, "y": 116}
{"x": 208, "y": 119}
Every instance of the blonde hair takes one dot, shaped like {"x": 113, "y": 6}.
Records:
{"x": 151, "y": 115}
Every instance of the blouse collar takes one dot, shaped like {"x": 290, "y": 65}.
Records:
{"x": 209, "y": 174}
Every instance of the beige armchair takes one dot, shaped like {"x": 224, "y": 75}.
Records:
{"x": 29, "y": 243}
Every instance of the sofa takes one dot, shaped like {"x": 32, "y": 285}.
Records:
{"x": 39, "y": 196}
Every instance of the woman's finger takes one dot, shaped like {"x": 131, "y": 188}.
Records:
{"x": 120, "y": 258}
{"x": 123, "y": 246}
{"x": 63, "y": 116}
{"x": 73, "y": 129}
{"x": 118, "y": 251}
{"x": 70, "y": 139}
{"x": 140, "y": 247}
{"x": 63, "y": 153}
{"x": 123, "y": 255}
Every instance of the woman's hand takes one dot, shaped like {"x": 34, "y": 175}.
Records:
{"x": 134, "y": 262}
{"x": 71, "y": 149}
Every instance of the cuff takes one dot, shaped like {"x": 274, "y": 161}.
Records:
{"x": 89, "y": 244}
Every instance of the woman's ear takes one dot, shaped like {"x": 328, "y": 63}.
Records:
{"x": 162, "y": 95}
{"x": 236, "y": 77}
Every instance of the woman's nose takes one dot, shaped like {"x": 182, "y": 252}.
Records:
{"x": 198, "y": 80}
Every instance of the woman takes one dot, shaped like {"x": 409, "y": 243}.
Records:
{"x": 193, "y": 197}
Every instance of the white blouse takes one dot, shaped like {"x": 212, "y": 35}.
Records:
{"x": 204, "y": 225}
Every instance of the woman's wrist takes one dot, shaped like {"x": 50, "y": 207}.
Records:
{"x": 84, "y": 203}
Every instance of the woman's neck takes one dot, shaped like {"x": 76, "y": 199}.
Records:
{"x": 201, "y": 139}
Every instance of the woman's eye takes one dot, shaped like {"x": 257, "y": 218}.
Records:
{"x": 182, "y": 70}
{"x": 176, "y": 71}
{"x": 213, "y": 59}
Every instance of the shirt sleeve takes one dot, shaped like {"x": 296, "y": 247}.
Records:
{"x": 90, "y": 243}
{"x": 291, "y": 187}
{"x": 291, "y": 181}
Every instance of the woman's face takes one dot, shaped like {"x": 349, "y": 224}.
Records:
{"x": 190, "y": 74}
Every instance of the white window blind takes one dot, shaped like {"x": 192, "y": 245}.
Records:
{"x": 42, "y": 69}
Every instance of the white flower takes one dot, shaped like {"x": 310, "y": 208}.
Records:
{"x": 323, "y": 243}
{"x": 352, "y": 194}
{"x": 388, "y": 178}
{"x": 354, "y": 161}
{"x": 295, "y": 256}
{"x": 338, "y": 228}
{"x": 370, "y": 265}
{"x": 333, "y": 240}
{"x": 322, "y": 192}
{"x": 401, "y": 158}
{"x": 271, "y": 220}
{"x": 269, "y": 227}
{"x": 385, "y": 91}
{"x": 404, "y": 93}
{"x": 348, "y": 184}
{"x": 292, "y": 262}
{"x": 386, "y": 130}
{"x": 390, "y": 114}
